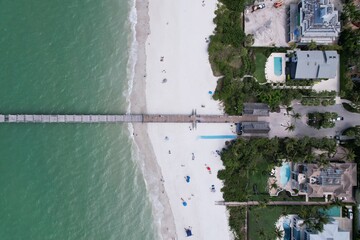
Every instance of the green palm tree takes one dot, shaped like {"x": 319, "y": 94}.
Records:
{"x": 314, "y": 219}
{"x": 279, "y": 233}
{"x": 288, "y": 109}
{"x": 350, "y": 155}
{"x": 338, "y": 202}
{"x": 274, "y": 186}
{"x": 290, "y": 127}
{"x": 296, "y": 116}
{"x": 323, "y": 160}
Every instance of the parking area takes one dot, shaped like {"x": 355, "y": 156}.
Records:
{"x": 268, "y": 25}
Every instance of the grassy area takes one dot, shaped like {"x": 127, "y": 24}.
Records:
{"x": 262, "y": 221}
{"x": 257, "y": 185}
{"x": 260, "y": 60}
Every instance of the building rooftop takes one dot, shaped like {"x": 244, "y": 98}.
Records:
{"x": 258, "y": 109}
{"x": 314, "y": 20}
{"x": 255, "y": 127}
{"x": 331, "y": 232}
{"x": 315, "y": 64}
{"x": 337, "y": 179}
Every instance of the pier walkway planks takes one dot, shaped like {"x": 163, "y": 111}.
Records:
{"x": 126, "y": 118}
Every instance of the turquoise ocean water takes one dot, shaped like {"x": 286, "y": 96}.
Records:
{"x": 68, "y": 181}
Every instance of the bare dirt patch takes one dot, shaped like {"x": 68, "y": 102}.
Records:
{"x": 268, "y": 25}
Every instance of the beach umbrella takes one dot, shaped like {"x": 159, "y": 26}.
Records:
{"x": 184, "y": 203}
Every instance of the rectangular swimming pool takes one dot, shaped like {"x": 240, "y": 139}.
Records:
{"x": 278, "y": 66}
{"x": 218, "y": 137}
{"x": 332, "y": 212}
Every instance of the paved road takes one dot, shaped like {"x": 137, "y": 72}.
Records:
{"x": 280, "y": 121}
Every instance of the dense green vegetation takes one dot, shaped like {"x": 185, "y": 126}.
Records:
{"x": 226, "y": 49}
{"x": 349, "y": 60}
{"x": 248, "y": 164}
{"x": 234, "y": 92}
{"x": 322, "y": 120}
{"x": 323, "y": 98}
{"x": 354, "y": 132}
{"x": 237, "y": 221}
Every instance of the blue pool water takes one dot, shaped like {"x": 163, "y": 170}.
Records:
{"x": 287, "y": 229}
{"x": 296, "y": 234}
{"x": 218, "y": 137}
{"x": 332, "y": 212}
{"x": 278, "y": 66}
{"x": 285, "y": 173}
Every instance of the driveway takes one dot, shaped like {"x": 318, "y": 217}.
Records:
{"x": 280, "y": 121}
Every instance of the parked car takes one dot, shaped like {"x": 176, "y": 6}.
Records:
{"x": 258, "y": 7}
{"x": 339, "y": 118}
{"x": 349, "y": 213}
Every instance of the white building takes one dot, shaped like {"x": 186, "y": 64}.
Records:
{"x": 313, "y": 20}
{"x": 332, "y": 231}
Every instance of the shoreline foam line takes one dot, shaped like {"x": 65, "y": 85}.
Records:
{"x": 161, "y": 209}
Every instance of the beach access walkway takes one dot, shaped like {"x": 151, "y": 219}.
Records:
{"x": 271, "y": 203}
{"x": 125, "y": 118}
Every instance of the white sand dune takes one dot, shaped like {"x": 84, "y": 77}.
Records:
{"x": 176, "y": 50}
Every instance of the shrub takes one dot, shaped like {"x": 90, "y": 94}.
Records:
{"x": 325, "y": 102}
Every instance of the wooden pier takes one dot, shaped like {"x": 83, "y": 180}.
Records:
{"x": 125, "y": 118}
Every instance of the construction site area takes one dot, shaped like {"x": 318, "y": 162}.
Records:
{"x": 268, "y": 24}
{"x": 276, "y": 23}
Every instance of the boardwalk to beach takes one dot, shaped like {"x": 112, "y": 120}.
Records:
{"x": 272, "y": 203}
{"x": 125, "y": 118}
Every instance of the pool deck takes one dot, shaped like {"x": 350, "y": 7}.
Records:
{"x": 277, "y": 179}
{"x": 269, "y": 69}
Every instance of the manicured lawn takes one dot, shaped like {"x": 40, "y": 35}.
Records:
{"x": 257, "y": 183}
{"x": 262, "y": 221}
{"x": 260, "y": 60}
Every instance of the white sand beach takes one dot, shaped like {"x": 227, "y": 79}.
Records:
{"x": 176, "y": 50}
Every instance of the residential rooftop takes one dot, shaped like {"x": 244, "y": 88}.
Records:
{"x": 255, "y": 127}
{"x": 314, "y": 20}
{"x": 336, "y": 180}
{"x": 331, "y": 231}
{"x": 313, "y": 64}
{"x": 256, "y": 109}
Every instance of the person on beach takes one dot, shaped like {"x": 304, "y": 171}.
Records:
{"x": 208, "y": 168}
{"x": 193, "y": 156}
